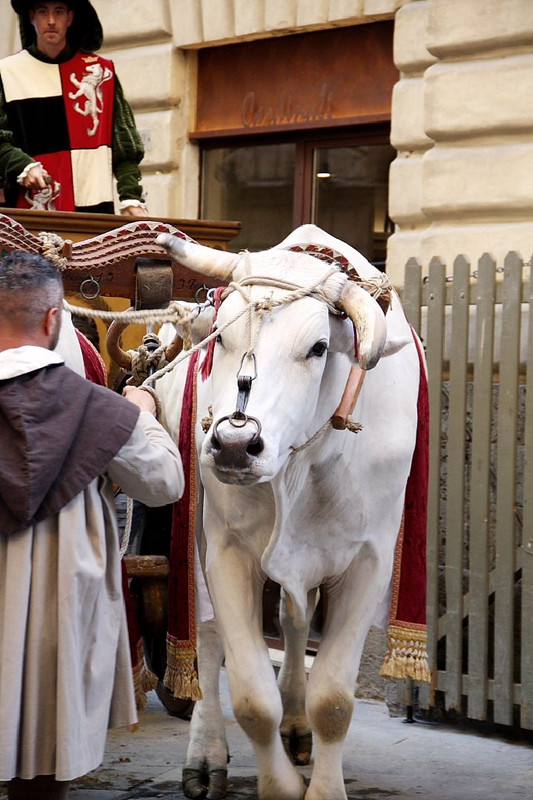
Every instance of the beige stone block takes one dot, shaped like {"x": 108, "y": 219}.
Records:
{"x": 468, "y": 26}
{"x": 161, "y": 80}
{"x": 346, "y": 10}
{"x": 186, "y": 198}
{"x": 480, "y": 98}
{"x": 162, "y": 189}
{"x": 378, "y": 7}
{"x": 410, "y": 38}
{"x": 478, "y": 181}
{"x": 448, "y": 240}
{"x": 407, "y": 122}
{"x": 280, "y": 15}
{"x": 186, "y": 18}
{"x": 218, "y": 23}
{"x": 311, "y": 12}
{"x": 249, "y": 17}
{"x": 405, "y": 190}
{"x": 162, "y": 133}
{"x": 401, "y": 246}
{"x": 175, "y": 193}
{"x": 123, "y": 25}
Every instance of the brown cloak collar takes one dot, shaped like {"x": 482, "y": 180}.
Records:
{"x": 58, "y": 432}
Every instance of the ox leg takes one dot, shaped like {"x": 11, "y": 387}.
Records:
{"x": 352, "y": 600}
{"x": 292, "y": 682}
{"x": 205, "y": 771}
{"x": 252, "y": 682}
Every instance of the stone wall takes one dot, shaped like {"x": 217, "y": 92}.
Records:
{"x": 462, "y": 117}
{"x": 463, "y": 127}
{"x": 159, "y": 82}
{"x": 155, "y": 57}
{"x": 197, "y": 25}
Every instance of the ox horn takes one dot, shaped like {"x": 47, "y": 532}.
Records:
{"x": 116, "y": 353}
{"x": 175, "y": 347}
{"x": 199, "y": 258}
{"x": 369, "y": 322}
{"x": 121, "y": 358}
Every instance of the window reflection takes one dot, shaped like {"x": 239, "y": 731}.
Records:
{"x": 350, "y": 193}
{"x": 254, "y": 185}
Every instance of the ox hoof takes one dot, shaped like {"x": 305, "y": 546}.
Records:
{"x": 199, "y": 783}
{"x": 298, "y": 747}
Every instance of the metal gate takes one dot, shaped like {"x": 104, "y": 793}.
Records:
{"x": 474, "y": 326}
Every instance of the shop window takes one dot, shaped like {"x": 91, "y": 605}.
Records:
{"x": 339, "y": 184}
{"x": 350, "y": 196}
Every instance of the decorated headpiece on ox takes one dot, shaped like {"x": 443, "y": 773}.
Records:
{"x": 341, "y": 289}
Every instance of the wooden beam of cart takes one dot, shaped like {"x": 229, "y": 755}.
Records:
{"x": 105, "y": 264}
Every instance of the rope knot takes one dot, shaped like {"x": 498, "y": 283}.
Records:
{"x": 353, "y": 426}
{"x": 145, "y": 361}
{"x": 53, "y": 247}
{"x": 265, "y": 306}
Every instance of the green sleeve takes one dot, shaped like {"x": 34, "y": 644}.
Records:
{"x": 128, "y": 149}
{"x": 12, "y": 159}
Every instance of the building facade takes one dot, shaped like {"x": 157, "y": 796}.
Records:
{"x": 403, "y": 126}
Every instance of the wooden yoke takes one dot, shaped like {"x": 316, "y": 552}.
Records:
{"x": 117, "y": 263}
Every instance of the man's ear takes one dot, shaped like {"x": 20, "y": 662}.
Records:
{"x": 51, "y": 320}
{"x": 52, "y": 327}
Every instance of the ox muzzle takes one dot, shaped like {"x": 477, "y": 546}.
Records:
{"x": 235, "y": 441}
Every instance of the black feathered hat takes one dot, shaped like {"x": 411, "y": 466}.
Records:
{"x": 84, "y": 34}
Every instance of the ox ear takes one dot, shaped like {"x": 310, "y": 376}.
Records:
{"x": 369, "y": 323}
{"x": 198, "y": 258}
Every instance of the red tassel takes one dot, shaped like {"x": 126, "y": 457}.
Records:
{"x": 207, "y": 364}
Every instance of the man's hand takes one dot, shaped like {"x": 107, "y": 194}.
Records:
{"x": 141, "y": 398}
{"x": 133, "y": 211}
{"x": 37, "y": 178}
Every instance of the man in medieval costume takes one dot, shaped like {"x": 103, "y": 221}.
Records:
{"x": 65, "y": 668}
{"x": 65, "y": 126}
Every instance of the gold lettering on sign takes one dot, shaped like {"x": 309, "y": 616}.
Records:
{"x": 287, "y": 111}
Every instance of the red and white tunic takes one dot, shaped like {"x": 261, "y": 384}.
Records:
{"x": 62, "y": 115}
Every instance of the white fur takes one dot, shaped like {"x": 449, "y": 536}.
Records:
{"x": 326, "y": 515}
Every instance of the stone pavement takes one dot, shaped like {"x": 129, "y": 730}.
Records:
{"x": 385, "y": 758}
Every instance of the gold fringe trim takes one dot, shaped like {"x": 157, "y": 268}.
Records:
{"x": 181, "y": 676}
{"x": 407, "y": 655}
{"x": 144, "y": 680}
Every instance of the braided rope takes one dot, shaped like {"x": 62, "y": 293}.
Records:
{"x": 144, "y": 360}
{"x": 313, "y": 438}
{"x": 124, "y": 544}
{"x": 177, "y": 314}
{"x": 295, "y": 292}
{"x": 52, "y": 246}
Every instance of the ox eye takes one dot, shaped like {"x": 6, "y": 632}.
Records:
{"x": 218, "y": 338}
{"x": 318, "y": 349}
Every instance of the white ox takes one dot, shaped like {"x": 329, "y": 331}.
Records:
{"x": 305, "y": 512}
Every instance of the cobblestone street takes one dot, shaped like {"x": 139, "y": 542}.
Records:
{"x": 384, "y": 758}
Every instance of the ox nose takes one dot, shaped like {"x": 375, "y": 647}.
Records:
{"x": 235, "y": 444}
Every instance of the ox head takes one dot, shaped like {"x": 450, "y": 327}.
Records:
{"x": 279, "y": 367}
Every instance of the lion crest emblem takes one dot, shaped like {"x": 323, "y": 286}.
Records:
{"x": 90, "y": 88}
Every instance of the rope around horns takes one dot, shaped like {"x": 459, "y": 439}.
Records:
{"x": 178, "y": 314}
